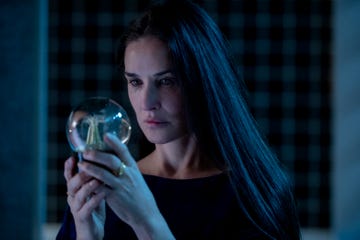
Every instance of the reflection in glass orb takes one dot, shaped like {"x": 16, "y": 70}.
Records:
{"x": 93, "y": 118}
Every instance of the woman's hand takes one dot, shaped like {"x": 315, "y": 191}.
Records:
{"x": 86, "y": 203}
{"x": 126, "y": 193}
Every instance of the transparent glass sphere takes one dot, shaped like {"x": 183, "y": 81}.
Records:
{"x": 91, "y": 119}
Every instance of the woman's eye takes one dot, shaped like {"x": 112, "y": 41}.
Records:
{"x": 135, "y": 82}
{"x": 167, "y": 81}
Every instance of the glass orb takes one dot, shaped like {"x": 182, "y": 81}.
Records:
{"x": 91, "y": 119}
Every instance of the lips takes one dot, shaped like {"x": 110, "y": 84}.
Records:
{"x": 155, "y": 122}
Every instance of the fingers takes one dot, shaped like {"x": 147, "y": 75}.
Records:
{"x": 82, "y": 195}
{"x": 97, "y": 172}
{"x": 87, "y": 198}
{"x": 120, "y": 149}
{"x": 85, "y": 194}
{"x": 69, "y": 167}
{"x": 76, "y": 182}
{"x": 92, "y": 204}
{"x": 110, "y": 161}
{"x": 105, "y": 160}
{"x": 103, "y": 166}
{"x": 73, "y": 181}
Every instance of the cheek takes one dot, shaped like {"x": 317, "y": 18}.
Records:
{"x": 175, "y": 106}
{"x": 133, "y": 100}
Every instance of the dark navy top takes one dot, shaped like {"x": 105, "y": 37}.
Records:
{"x": 199, "y": 208}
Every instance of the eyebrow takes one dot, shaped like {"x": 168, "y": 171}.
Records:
{"x": 155, "y": 75}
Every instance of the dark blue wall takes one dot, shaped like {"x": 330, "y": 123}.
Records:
{"x": 23, "y": 115}
{"x": 346, "y": 120}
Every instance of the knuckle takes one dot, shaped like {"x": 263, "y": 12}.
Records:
{"x": 113, "y": 160}
{"x": 101, "y": 174}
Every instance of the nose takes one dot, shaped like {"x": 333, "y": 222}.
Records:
{"x": 150, "y": 98}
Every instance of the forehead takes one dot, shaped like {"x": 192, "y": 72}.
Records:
{"x": 146, "y": 53}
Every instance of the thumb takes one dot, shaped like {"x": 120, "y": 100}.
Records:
{"x": 120, "y": 149}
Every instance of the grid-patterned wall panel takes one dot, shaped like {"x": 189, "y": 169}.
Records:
{"x": 283, "y": 48}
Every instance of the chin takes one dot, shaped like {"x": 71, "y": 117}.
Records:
{"x": 158, "y": 140}
{"x": 161, "y": 138}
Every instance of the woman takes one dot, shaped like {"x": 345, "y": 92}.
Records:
{"x": 211, "y": 175}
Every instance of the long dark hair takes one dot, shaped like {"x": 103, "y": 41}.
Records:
{"x": 218, "y": 114}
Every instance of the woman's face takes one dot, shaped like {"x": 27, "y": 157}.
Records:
{"x": 154, "y": 90}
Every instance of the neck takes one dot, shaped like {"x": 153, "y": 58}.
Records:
{"x": 178, "y": 159}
